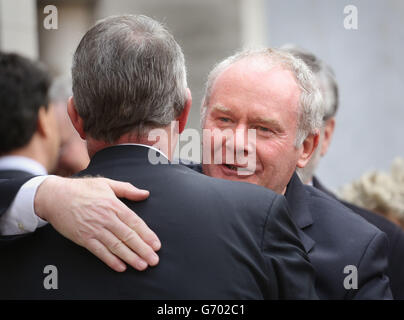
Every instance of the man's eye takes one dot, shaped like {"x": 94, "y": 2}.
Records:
{"x": 223, "y": 119}
{"x": 262, "y": 129}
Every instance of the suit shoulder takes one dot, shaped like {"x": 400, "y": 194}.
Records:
{"x": 340, "y": 216}
{"x": 234, "y": 188}
{"x": 242, "y": 197}
{"x": 376, "y": 219}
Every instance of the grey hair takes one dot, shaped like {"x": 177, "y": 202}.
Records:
{"x": 310, "y": 101}
{"x": 129, "y": 76}
{"x": 325, "y": 77}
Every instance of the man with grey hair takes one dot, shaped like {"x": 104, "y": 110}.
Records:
{"x": 329, "y": 88}
{"x": 129, "y": 79}
{"x": 276, "y": 94}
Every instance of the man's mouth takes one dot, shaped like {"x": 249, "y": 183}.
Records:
{"x": 231, "y": 169}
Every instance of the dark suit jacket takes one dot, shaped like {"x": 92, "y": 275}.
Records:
{"x": 220, "y": 240}
{"x": 395, "y": 236}
{"x": 13, "y": 174}
{"x": 9, "y": 188}
{"x": 334, "y": 238}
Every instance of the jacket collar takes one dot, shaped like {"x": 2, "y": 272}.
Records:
{"x": 318, "y": 185}
{"x": 134, "y": 153}
{"x": 297, "y": 198}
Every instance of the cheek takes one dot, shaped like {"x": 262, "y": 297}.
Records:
{"x": 274, "y": 155}
{"x": 267, "y": 152}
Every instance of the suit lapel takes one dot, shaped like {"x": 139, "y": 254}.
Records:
{"x": 299, "y": 210}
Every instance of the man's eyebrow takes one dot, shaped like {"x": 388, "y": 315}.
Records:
{"x": 220, "y": 108}
{"x": 267, "y": 121}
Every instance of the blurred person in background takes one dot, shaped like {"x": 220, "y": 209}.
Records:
{"x": 29, "y": 143}
{"x": 73, "y": 156}
{"x": 362, "y": 190}
{"x": 29, "y": 134}
{"x": 380, "y": 192}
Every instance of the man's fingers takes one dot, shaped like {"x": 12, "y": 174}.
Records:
{"x": 120, "y": 249}
{"x": 101, "y": 252}
{"x": 127, "y": 190}
{"x": 133, "y": 241}
{"x": 134, "y": 222}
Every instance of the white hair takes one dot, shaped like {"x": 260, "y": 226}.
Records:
{"x": 311, "y": 105}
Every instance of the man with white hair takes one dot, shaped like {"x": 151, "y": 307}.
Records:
{"x": 276, "y": 94}
{"x": 329, "y": 88}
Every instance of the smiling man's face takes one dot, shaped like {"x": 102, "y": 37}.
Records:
{"x": 251, "y": 94}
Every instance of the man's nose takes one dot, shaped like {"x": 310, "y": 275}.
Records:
{"x": 240, "y": 140}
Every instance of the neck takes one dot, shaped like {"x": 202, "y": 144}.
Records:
{"x": 34, "y": 150}
{"x": 164, "y": 139}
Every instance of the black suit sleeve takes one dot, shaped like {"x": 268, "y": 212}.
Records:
{"x": 372, "y": 268}
{"x": 396, "y": 264}
{"x": 8, "y": 191}
{"x": 285, "y": 254}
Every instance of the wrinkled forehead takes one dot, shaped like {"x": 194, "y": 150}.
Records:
{"x": 258, "y": 79}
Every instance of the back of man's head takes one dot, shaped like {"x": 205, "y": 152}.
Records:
{"x": 128, "y": 77}
{"x": 24, "y": 88}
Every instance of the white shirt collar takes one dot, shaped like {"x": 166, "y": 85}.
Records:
{"x": 143, "y": 145}
{"x": 22, "y": 164}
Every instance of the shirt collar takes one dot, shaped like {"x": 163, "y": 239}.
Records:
{"x": 21, "y": 163}
{"x": 143, "y": 145}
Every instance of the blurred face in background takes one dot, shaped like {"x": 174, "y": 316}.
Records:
{"x": 73, "y": 156}
{"x": 48, "y": 129}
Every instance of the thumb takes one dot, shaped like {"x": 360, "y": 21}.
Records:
{"x": 127, "y": 190}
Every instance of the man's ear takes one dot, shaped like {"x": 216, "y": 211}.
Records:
{"x": 307, "y": 149}
{"x": 42, "y": 124}
{"x": 76, "y": 120}
{"x": 328, "y": 133}
{"x": 183, "y": 117}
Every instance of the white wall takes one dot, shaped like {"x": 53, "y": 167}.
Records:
{"x": 18, "y": 27}
{"x": 369, "y": 66}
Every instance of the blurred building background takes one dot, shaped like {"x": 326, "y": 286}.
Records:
{"x": 368, "y": 61}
